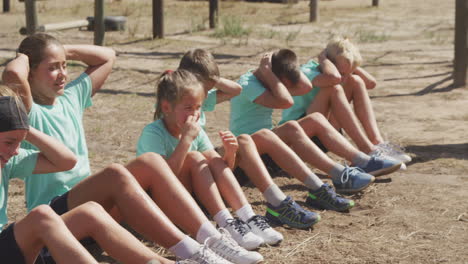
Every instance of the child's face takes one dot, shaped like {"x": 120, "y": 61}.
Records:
{"x": 49, "y": 77}
{"x": 9, "y": 144}
{"x": 189, "y": 105}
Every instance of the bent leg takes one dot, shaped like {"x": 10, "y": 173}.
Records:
{"x": 43, "y": 227}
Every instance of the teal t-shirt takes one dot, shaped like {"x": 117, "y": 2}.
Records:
{"x": 20, "y": 167}
{"x": 247, "y": 117}
{"x": 208, "y": 105}
{"x": 156, "y": 138}
{"x": 302, "y": 102}
{"x": 63, "y": 121}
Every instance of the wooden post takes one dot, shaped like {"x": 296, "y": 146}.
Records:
{"x": 461, "y": 43}
{"x": 99, "y": 29}
{"x": 314, "y": 14}
{"x": 375, "y": 2}
{"x": 158, "y": 19}
{"x": 31, "y": 16}
{"x": 6, "y": 6}
{"x": 214, "y": 13}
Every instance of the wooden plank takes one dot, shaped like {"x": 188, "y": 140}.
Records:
{"x": 31, "y": 16}
{"x": 99, "y": 29}
{"x": 58, "y": 26}
{"x": 214, "y": 13}
{"x": 158, "y": 19}
{"x": 314, "y": 13}
{"x": 461, "y": 43}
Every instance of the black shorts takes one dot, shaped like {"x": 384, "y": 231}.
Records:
{"x": 59, "y": 204}
{"x": 270, "y": 164}
{"x": 9, "y": 249}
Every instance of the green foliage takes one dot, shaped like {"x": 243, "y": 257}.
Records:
{"x": 368, "y": 36}
{"x": 232, "y": 27}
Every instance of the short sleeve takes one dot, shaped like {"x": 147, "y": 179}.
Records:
{"x": 252, "y": 88}
{"x": 23, "y": 164}
{"x": 210, "y": 102}
{"x": 203, "y": 142}
{"x": 311, "y": 69}
{"x": 80, "y": 91}
{"x": 152, "y": 139}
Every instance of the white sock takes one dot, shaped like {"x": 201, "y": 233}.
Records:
{"x": 245, "y": 212}
{"x": 222, "y": 216}
{"x": 313, "y": 182}
{"x": 274, "y": 195}
{"x": 205, "y": 231}
{"x": 185, "y": 248}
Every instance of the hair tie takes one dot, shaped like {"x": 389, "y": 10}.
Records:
{"x": 168, "y": 71}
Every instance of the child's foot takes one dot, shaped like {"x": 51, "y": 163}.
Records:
{"x": 241, "y": 233}
{"x": 393, "y": 151}
{"x": 259, "y": 226}
{"x": 326, "y": 198}
{"x": 204, "y": 255}
{"x": 352, "y": 180}
{"x": 227, "y": 248}
{"x": 378, "y": 166}
{"x": 291, "y": 214}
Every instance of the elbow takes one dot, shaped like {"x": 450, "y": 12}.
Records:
{"x": 371, "y": 84}
{"x": 10, "y": 75}
{"x": 237, "y": 89}
{"x": 68, "y": 162}
{"x": 333, "y": 79}
{"x": 285, "y": 103}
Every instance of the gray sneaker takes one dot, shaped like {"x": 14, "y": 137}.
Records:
{"x": 227, "y": 248}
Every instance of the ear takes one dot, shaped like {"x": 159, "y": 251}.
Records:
{"x": 166, "y": 106}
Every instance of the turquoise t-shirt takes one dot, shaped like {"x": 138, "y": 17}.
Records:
{"x": 248, "y": 117}
{"x": 20, "y": 167}
{"x": 302, "y": 102}
{"x": 63, "y": 121}
{"x": 208, "y": 105}
{"x": 156, "y": 138}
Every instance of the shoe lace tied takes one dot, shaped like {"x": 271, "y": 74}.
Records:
{"x": 238, "y": 225}
{"x": 229, "y": 241}
{"x": 348, "y": 172}
{"x": 206, "y": 254}
{"x": 261, "y": 222}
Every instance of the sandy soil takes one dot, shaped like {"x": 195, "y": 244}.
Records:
{"x": 413, "y": 216}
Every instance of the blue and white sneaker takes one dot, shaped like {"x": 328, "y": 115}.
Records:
{"x": 352, "y": 180}
{"x": 326, "y": 198}
{"x": 379, "y": 166}
{"x": 392, "y": 151}
{"x": 291, "y": 214}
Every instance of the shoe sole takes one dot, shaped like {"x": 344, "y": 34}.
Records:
{"x": 385, "y": 171}
{"x": 353, "y": 191}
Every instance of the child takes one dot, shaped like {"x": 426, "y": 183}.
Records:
{"x": 252, "y": 110}
{"x": 21, "y": 242}
{"x": 346, "y": 60}
{"x": 42, "y": 74}
{"x": 177, "y": 136}
{"x": 281, "y": 209}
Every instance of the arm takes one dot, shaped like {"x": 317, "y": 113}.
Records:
{"x": 302, "y": 87}
{"x": 16, "y": 75}
{"x": 330, "y": 75}
{"x": 189, "y": 133}
{"x": 54, "y": 156}
{"x": 368, "y": 79}
{"x": 230, "y": 147}
{"x": 227, "y": 89}
{"x": 99, "y": 61}
{"x": 276, "y": 94}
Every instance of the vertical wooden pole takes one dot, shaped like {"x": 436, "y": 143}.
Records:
{"x": 158, "y": 19}
{"x": 375, "y": 2}
{"x": 31, "y": 16}
{"x": 99, "y": 29}
{"x": 6, "y": 6}
{"x": 461, "y": 43}
{"x": 314, "y": 13}
{"x": 214, "y": 13}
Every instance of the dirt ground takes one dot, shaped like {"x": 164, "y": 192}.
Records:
{"x": 415, "y": 216}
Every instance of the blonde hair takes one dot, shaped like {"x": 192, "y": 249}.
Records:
{"x": 5, "y": 91}
{"x": 343, "y": 47}
{"x": 173, "y": 85}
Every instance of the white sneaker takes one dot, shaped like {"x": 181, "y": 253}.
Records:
{"x": 242, "y": 234}
{"x": 393, "y": 151}
{"x": 259, "y": 226}
{"x": 227, "y": 248}
{"x": 204, "y": 256}
{"x": 153, "y": 261}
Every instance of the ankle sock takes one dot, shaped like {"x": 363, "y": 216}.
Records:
{"x": 245, "y": 212}
{"x": 222, "y": 216}
{"x": 336, "y": 171}
{"x": 274, "y": 195}
{"x": 185, "y": 248}
{"x": 361, "y": 160}
{"x": 205, "y": 231}
{"x": 313, "y": 182}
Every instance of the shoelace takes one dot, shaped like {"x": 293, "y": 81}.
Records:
{"x": 349, "y": 171}
{"x": 213, "y": 257}
{"x": 229, "y": 241}
{"x": 239, "y": 225}
{"x": 261, "y": 222}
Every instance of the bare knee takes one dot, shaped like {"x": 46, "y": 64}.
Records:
{"x": 44, "y": 218}
{"x": 149, "y": 158}
{"x": 245, "y": 139}
{"x": 292, "y": 127}
{"x": 90, "y": 212}
{"x": 118, "y": 176}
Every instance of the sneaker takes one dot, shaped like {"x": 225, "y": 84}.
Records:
{"x": 242, "y": 234}
{"x": 291, "y": 214}
{"x": 353, "y": 180}
{"x": 204, "y": 256}
{"x": 326, "y": 198}
{"x": 227, "y": 248}
{"x": 393, "y": 151}
{"x": 379, "y": 166}
{"x": 153, "y": 261}
{"x": 259, "y": 226}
